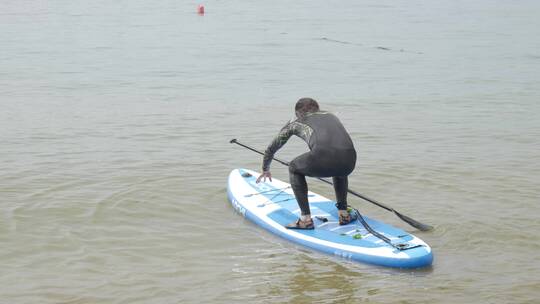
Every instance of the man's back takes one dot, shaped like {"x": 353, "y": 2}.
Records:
{"x": 328, "y": 132}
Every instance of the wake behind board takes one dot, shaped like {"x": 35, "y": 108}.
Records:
{"x": 272, "y": 205}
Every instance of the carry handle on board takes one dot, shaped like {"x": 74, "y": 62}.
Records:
{"x": 410, "y": 221}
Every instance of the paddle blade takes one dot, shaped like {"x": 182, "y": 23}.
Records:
{"x": 415, "y": 224}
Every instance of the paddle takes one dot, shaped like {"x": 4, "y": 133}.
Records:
{"x": 405, "y": 218}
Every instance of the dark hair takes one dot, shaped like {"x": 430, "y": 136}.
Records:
{"x": 306, "y": 105}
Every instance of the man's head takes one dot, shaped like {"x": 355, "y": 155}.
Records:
{"x": 306, "y": 105}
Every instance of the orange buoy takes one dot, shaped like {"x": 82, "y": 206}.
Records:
{"x": 200, "y": 10}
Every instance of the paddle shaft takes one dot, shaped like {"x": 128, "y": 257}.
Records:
{"x": 405, "y": 218}
{"x": 234, "y": 141}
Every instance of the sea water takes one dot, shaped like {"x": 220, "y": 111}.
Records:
{"x": 115, "y": 124}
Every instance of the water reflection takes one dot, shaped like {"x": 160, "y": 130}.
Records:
{"x": 316, "y": 280}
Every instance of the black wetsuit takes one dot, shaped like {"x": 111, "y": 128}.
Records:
{"x": 331, "y": 154}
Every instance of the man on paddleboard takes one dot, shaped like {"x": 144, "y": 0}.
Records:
{"x": 331, "y": 154}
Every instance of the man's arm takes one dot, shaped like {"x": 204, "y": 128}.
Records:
{"x": 283, "y": 136}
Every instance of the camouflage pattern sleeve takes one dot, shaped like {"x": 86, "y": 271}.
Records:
{"x": 283, "y": 136}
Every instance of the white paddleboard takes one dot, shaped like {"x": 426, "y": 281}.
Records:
{"x": 272, "y": 205}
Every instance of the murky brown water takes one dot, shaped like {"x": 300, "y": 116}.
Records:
{"x": 114, "y": 127}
